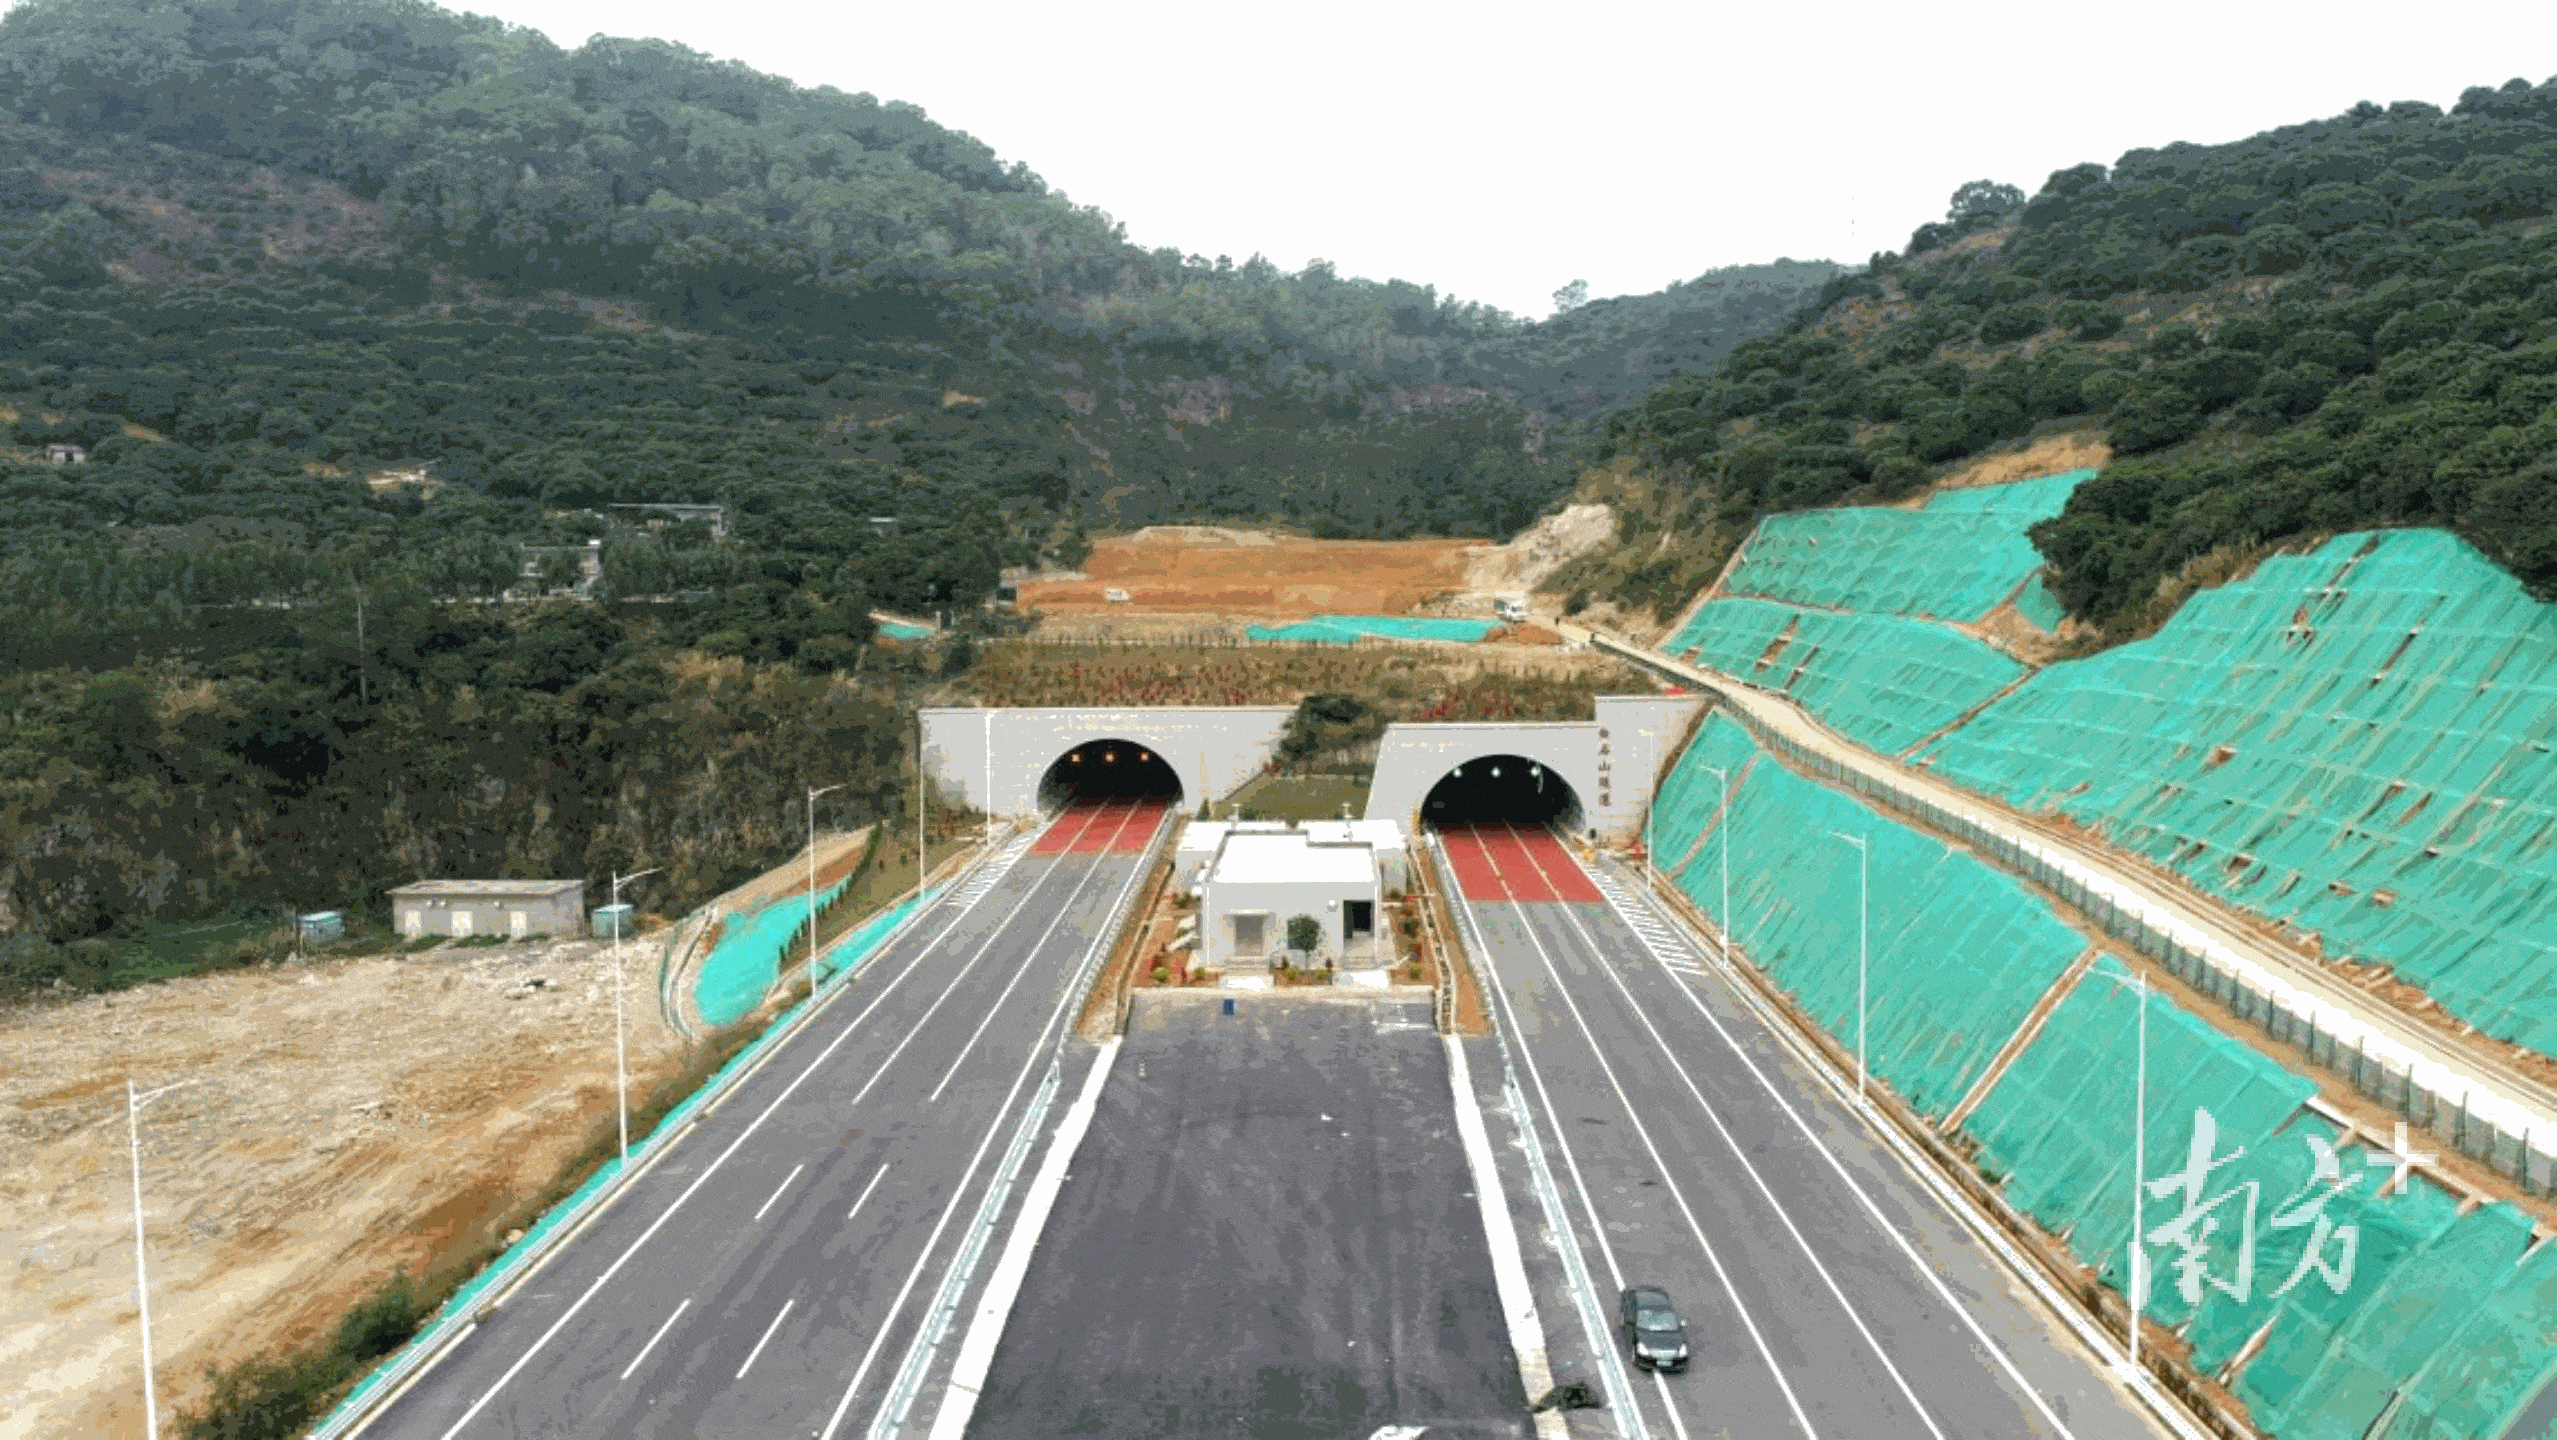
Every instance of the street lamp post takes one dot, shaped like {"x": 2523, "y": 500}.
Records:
{"x": 812, "y": 877}
{"x": 2139, "y": 1276}
{"x": 141, "y": 1281}
{"x": 1722, "y": 779}
{"x": 621, "y": 1063}
{"x": 1864, "y": 891}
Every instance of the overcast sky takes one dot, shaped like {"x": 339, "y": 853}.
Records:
{"x": 1497, "y": 150}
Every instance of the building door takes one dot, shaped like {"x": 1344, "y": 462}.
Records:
{"x": 1251, "y": 935}
{"x": 1358, "y": 920}
{"x": 412, "y": 923}
{"x": 461, "y": 924}
{"x": 518, "y": 923}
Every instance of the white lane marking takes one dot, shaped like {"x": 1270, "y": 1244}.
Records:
{"x": 1712, "y": 1257}
{"x": 1610, "y": 1359}
{"x": 1881, "y": 1222}
{"x": 985, "y": 1328}
{"x": 956, "y": 1277}
{"x": 959, "y": 1191}
{"x": 760, "y": 1344}
{"x": 784, "y": 1185}
{"x": 643, "y": 1350}
{"x": 713, "y": 1168}
{"x": 996, "y": 1007}
{"x": 1730, "y": 1142}
{"x": 865, "y": 1192}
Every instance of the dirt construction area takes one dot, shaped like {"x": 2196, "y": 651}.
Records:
{"x": 345, "y": 1119}
{"x": 1204, "y": 584}
{"x": 1210, "y": 570}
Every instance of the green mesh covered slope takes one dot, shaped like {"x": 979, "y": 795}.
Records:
{"x": 2355, "y": 742}
{"x": 1885, "y": 681}
{"x": 1957, "y": 559}
{"x": 2433, "y": 1312}
{"x": 1960, "y": 952}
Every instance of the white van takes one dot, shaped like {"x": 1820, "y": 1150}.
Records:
{"x": 1510, "y": 608}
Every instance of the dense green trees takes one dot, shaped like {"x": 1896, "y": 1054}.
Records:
{"x": 2371, "y": 339}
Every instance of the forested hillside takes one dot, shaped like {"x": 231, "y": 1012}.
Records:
{"x": 2339, "y": 324}
{"x": 357, "y": 308}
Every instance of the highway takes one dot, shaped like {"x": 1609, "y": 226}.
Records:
{"x": 770, "y": 1274}
{"x": 1826, "y": 1291}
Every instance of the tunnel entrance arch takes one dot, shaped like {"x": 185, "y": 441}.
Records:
{"x": 1492, "y": 789}
{"x": 1098, "y": 771}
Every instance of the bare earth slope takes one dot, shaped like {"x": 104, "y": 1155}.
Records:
{"x": 347, "y": 1119}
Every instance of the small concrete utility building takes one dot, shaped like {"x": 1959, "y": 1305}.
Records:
{"x": 516, "y": 908}
{"x": 1260, "y": 879}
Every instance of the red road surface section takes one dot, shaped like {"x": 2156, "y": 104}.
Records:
{"x": 1066, "y": 829}
{"x": 1113, "y": 827}
{"x": 1510, "y": 862}
{"x": 1544, "y": 856}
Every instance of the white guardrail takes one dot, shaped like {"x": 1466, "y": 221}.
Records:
{"x": 512, "y": 1268}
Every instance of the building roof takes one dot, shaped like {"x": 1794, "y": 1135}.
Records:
{"x": 1289, "y": 859}
{"x": 472, "y": 889}
{"x": 1200, "y": 835}
{"x": 1382, "y": 834}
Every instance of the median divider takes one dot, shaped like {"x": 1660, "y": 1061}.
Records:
{"x": 479, "y": 1297}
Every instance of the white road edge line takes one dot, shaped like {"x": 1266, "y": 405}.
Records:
{"x": 954, "y": 1281}
{"x": 760, "y": 1344}
{"x": 957, "y": 1193}
{"x": 985, "y": 1328}
{"x": 1603, "y": 1341}
{"x": 1739, "y": 1306}
{"x": 712, "y": 1169}
{"x": 1909, "y": 1161}
{"x": 1509, "y": 1265}
{"x": 652, "y": 1340}
{"x": 866, "y": 1189}
{"x": 777, "y": 1189}
{"x": 1598, "y": 958}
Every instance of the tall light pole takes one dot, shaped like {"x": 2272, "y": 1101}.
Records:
{"x": 2139, "y": 1172}
{"x": 1722, "y": 778}
{"x": 1864, "y": 891}
{"x": 621, "y": 1062}
{"x": 141, "y": 1282}
{"x": 812, "y": 876}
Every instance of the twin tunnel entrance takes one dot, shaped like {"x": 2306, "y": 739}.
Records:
{"x": 1485, "y": 790}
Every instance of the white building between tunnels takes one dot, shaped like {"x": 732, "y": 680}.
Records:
{"x": 1260, "y": 878}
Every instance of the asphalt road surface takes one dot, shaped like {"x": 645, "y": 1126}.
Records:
{"x": 768, "y": 1276}
{"x": 1269, "y": 1233}
{"x": 1826, "y": 1293}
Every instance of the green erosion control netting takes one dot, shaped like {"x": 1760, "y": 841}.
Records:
{"x": 747, "y": 959}
{"x": 1956, "y": 559}
{"x": 1960, "y": 952}
{"x": 1884, "y": 681}
{"x": 2037, "y": 604}
{"x": 1348, "y": 629}
{"x": 2355, "y": 742}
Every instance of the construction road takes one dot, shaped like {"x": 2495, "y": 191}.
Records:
{"x": 771, "y": 1274}
{"x": 1826, "y": 1291}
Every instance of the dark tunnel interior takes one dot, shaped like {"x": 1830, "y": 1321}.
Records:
{"x": 1502, "y": 787}
{"x": 1099, "y": 770}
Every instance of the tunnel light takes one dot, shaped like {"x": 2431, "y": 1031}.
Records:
{"x": 1496, "y": 772}
{"x": 1076, "y": 758}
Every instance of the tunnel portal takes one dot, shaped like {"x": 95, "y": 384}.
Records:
{"x": 1102, "y": 770}
{"x": 1494, "y": 788}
